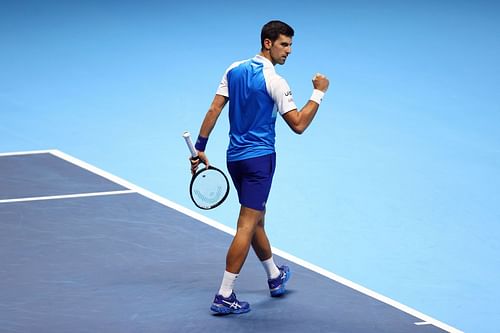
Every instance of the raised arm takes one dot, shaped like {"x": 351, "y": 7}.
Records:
{"x": 299, "y": 121}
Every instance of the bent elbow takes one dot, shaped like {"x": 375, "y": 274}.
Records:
{"x": 296, "y": 122}
{"x": 298, "y": 130}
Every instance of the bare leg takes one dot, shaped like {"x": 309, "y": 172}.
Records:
{"x": 260, "y": 242}
{"x": 247, "y": 225}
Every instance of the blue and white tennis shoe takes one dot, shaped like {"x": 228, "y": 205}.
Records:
{"x": 227, "y": 305}
{"x": 277, "y": 285}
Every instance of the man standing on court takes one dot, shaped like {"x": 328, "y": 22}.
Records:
{"x": 256, "y": 93}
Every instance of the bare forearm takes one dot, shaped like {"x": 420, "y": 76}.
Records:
{"x": 209, "y": 122}
{"x": 212, "y": 115}
{"x": 299, "y": 121}
{"x": 306, "y": 115}
{"x": 207, "y": 126}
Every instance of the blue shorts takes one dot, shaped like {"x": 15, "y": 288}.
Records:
{"x": 252, "y": 178}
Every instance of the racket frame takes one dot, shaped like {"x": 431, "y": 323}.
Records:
{"x": 197, "y": 174}
{"x": 194, "y": 156}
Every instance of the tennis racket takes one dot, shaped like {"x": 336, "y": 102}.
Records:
{"x": 209, "y": 187}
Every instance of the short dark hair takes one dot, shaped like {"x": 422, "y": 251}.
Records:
{"x": 273, "y": 29}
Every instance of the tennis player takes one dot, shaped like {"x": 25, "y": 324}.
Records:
{"x": 256, "y": 94}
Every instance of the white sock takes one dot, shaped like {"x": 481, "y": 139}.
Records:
{"x": 271, "y": 269}
{"x": 227, "y": 285}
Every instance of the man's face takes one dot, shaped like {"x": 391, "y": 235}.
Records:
{"x": 280, "y": 49}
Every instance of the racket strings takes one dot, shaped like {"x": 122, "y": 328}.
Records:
{"x": 209, "y": 188}
{"x": 212, "y": 197}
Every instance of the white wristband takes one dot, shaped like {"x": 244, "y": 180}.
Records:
{"x": 317, "y": 96}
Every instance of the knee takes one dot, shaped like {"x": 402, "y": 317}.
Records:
{"x": 246, "y": 229}
{"x": 261, "y": 222}
{"x": 249, "y": 220}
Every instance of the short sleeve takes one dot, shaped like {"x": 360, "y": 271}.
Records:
{"x": 223, "y": 85}
{"x": 223, "y": 88}
{"x": 282, "y": 95}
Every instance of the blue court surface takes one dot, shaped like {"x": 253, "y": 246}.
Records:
{"x": 85, "y": 251}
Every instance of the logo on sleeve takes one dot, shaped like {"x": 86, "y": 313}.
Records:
{"x": 288, "y": 93}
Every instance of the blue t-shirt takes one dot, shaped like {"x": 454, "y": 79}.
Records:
{"x": 256, "y": 94}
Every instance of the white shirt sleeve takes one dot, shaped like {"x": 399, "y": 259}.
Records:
{"x": 282, "y": 95}
{"x": 223, "y": 88}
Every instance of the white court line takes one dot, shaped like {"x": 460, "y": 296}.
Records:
{"x": 33, "y": 152}
{"x": 142, "y": 191}
{"x": 425, "y": 319}
{"x": 66, "y": 196}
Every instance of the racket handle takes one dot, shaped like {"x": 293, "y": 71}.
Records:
{"x": 192, "y": 150}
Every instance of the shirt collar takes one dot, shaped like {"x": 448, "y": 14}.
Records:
{"x": 263, "y": 60}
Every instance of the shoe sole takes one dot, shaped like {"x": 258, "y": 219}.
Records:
{"x": 224, "y": 310}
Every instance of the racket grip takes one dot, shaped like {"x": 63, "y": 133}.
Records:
{"x": 192, "y": 150}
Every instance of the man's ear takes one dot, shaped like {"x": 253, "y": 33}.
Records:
{"x": 267, "y": 44}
